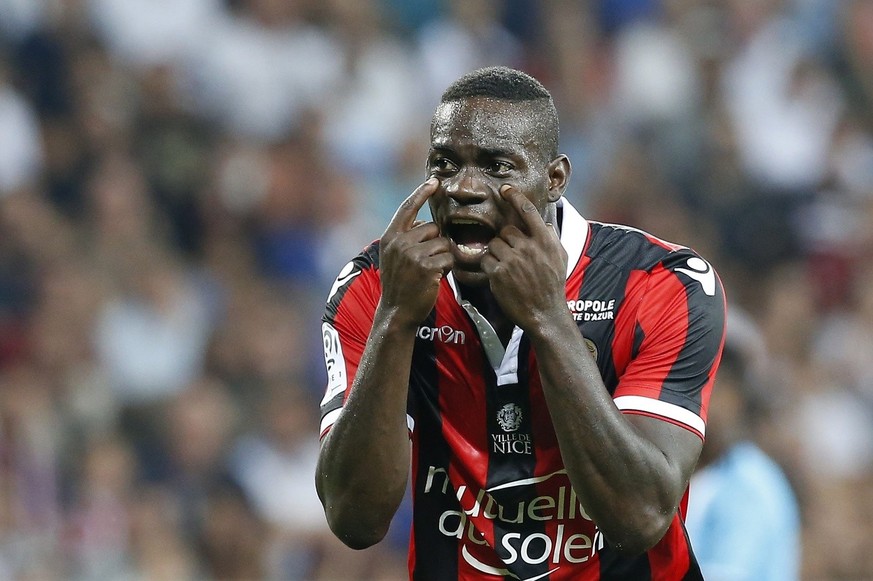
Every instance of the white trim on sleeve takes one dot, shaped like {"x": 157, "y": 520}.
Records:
{"x": 330, "y": 417}
{"x": 638, "y": 403}
{"x": 328, "y": 420}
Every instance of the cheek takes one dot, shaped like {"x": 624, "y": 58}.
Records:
{"x": 435, "y": 205}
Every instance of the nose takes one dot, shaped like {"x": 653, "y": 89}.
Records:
{"x": 466, "y": 188}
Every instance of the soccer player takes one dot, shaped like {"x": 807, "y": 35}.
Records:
{"x": 552, "y": 373}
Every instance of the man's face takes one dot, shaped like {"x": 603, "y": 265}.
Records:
{"x": 477, "y": 146}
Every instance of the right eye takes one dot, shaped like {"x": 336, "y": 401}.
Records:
{"x": 442, "y": 165}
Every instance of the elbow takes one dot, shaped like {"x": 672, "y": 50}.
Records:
{"x": 353, "y": 533}
{"x": 359, "y": 524}
{"x": 642, "y": 535}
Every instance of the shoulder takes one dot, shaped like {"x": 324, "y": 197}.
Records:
{"x": 631, "y": 249}
{"x": 358, "y": 275}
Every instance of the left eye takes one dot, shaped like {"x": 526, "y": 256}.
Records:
{"x": 499, "y": 167}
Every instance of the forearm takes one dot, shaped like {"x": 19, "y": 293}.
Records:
{"x": 622, "y": 479}
{"x": 364, "y": 462}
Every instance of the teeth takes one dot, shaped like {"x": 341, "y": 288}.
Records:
{"x": 463, "y": 221}
{"x": 470, "y": 251}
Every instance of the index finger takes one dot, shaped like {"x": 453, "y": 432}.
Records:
{"x": 404, "y": 217}
{"x": 526, "y": 209}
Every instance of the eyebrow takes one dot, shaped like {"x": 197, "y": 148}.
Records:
{"x": 489, "y": 152}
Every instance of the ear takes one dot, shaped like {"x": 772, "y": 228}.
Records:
{"x": 559, "y": 170}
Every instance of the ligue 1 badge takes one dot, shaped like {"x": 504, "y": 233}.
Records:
{"x": 509, "y": 417}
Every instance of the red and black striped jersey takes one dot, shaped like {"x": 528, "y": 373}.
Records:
{"x": 491, "y": 497}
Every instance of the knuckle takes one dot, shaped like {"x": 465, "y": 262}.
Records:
{"x": 409, "y": 202}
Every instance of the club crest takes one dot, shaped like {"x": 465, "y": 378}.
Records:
{"x": 509, "y": 417}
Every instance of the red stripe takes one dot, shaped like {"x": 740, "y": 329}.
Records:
{"x": 670, "y": 559}
{"x": 662, "y": 243}
{"x": 666, "y": 334}
{"x": 354, "y": 319}
{"x": 467, "y": 434}
{"x": 625, "y": 320}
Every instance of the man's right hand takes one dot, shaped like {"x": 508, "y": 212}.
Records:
{"x": 413, "y": 258}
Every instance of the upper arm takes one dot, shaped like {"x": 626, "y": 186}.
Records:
{"x": 680, "y": 447}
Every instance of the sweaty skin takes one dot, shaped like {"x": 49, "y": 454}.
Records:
{"x": 629, "y": 471}
{"x": 364, "y": 462}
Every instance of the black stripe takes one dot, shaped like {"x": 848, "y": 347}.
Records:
{"x": 509, "y": 461}
{"x": 639, "y": 337}
{"x": 614, "y": 567}
{"x": 614, "y": 252}
{"x": 704, "y": 328}
{"x": 334, "y": 403}
{"x": 436, "y": 555}
{"x": 629, "y": 248}
{"x": 603, "y": 281}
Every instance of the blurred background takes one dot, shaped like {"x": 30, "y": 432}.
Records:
{"x": 181, "y": 180}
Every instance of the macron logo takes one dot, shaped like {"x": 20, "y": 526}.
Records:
{"x": 444, "y": 334}
{"x": 700, "y": 270}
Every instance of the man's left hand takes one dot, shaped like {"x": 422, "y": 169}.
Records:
{"x": 527, "y": 270}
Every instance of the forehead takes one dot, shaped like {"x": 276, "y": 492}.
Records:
{"x": 484, "y": 122}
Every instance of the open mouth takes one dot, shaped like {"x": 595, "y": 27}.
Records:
{"x": 470, "y": 237}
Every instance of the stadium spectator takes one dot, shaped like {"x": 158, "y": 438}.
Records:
{"x": 743, "y": 516}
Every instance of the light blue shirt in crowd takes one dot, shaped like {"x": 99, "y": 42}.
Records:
{"x": 743, "y": 519}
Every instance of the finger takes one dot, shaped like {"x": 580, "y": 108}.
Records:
{"x": 441, "y": 263}
{"x": 499, "y": 249}
{"x": 404, "y": 217}
{"x": 489, "y": 263}
{"x": 512, "y": 235}
{"x": 435, "y": 246}
{"x": 422, "y": 231}
{"x": 525, "y": 209}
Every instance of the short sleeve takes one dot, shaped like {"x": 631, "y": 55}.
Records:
{"x": 677, "y": 343}
{"x": 346, "y": 324}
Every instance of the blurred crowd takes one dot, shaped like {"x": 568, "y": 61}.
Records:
{"x": 181, "y": 180}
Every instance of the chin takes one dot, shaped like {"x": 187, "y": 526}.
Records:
{"x": 470, "y": 277}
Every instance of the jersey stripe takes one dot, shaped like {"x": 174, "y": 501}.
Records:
{"x": 675, "y": 563}
{"x": 516, "y": 464}
{"x": 429, "y": 555}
